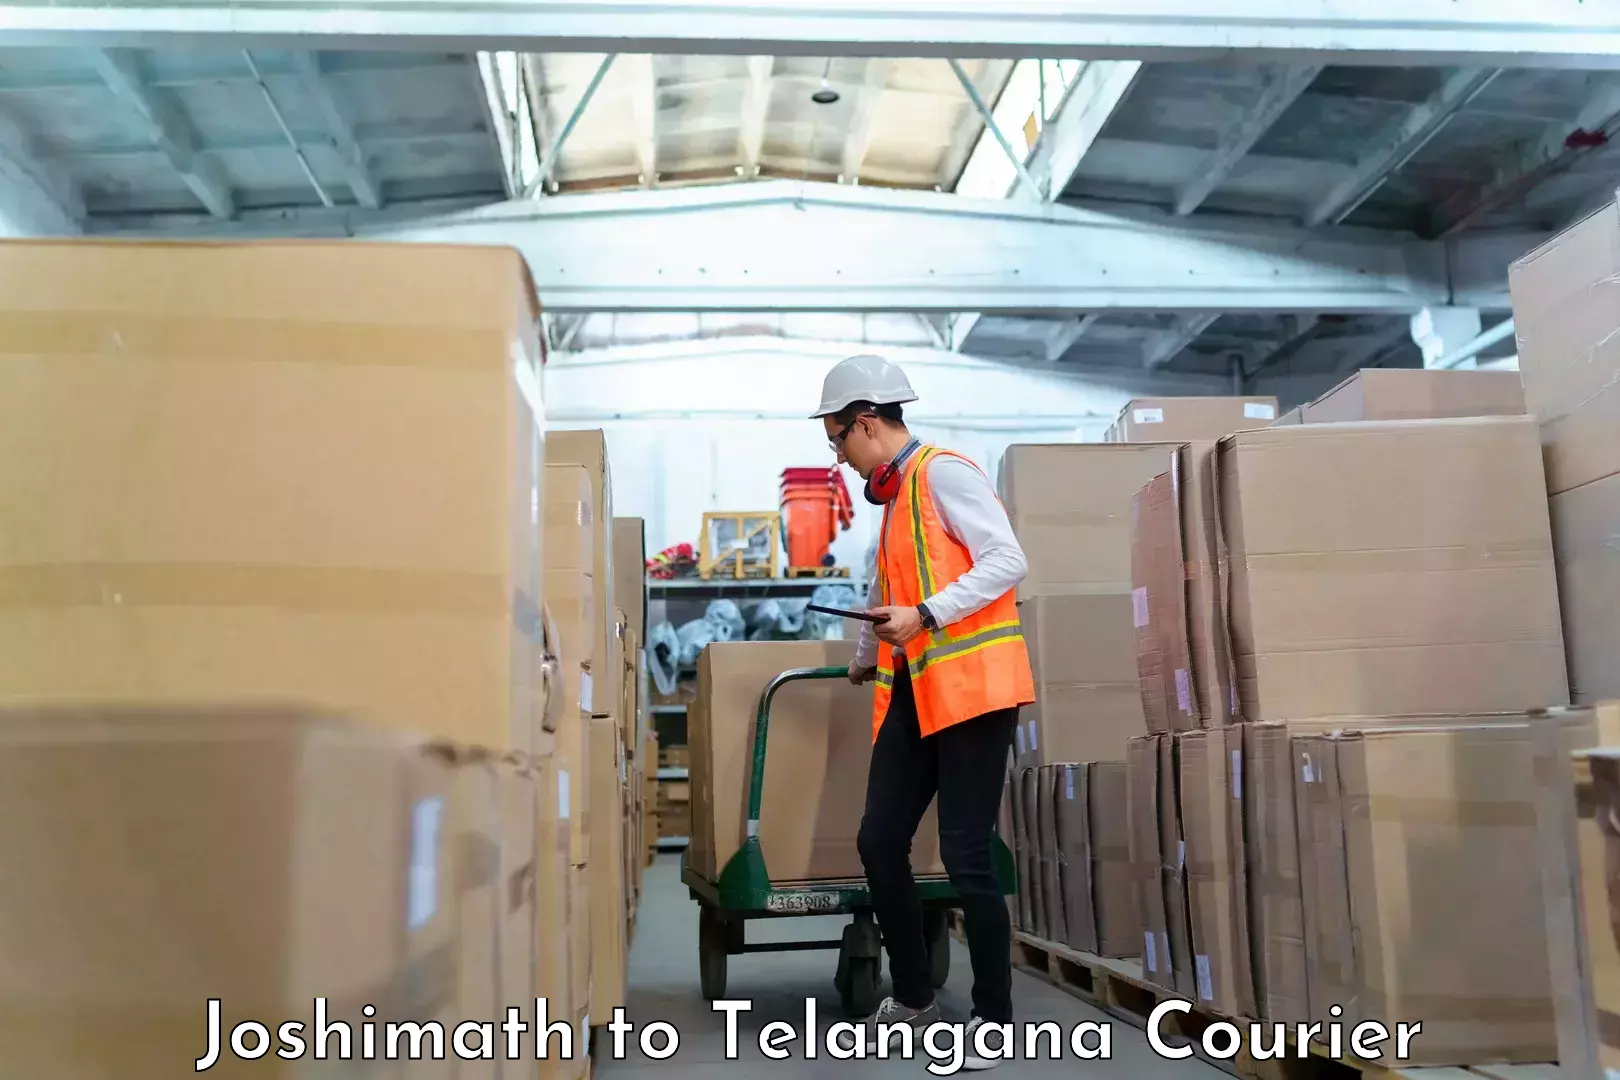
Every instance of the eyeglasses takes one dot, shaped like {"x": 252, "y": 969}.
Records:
{"x": 836, "y": 443}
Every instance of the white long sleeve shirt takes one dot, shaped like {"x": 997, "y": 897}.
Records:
{"x": 972, "y": 515}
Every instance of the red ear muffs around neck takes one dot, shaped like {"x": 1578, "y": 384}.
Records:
{"x": 884, "y": 486}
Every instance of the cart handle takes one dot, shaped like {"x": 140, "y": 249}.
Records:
{"x": 756, "y": 781}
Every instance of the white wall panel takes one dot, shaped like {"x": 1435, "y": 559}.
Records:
{"x": 710, "y": 425}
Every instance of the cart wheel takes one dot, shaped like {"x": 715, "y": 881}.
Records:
{"x": 939, "y": 948}
{"x": 712, "y": 932}
{"x": 860, "y": 967}
{"x": 859, "y": 995}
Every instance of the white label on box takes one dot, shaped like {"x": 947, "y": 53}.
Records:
{"x": 564, "y": 804}
{"x": 1148, "y": 416}
{"x": 1181, "y": 854}
{"x": 1020, "y": 734}
{"x": 1139, "y": 607}
{"x": 1147, "y": 952}
{"x": 1206, "y": 986}
{"x": 1306, "y": 773}
{"x": 1183, "y": 690}
{"x": 585, "y": 691}
{"x": 1237, "y": 774}
{"x": 1259, "y": 410}
{"x": 1032, "y": 734}
{"x": 1068, "y": 775}
{"x": 422, "y": 887}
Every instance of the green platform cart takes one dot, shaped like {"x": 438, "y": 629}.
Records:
{"x": 745, "y": 892}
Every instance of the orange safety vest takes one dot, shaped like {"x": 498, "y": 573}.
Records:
{"x": 972, "y": 667}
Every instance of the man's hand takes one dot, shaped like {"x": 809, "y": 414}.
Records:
{"x": 859, "y": 674}
{"x": 899, "y": 625}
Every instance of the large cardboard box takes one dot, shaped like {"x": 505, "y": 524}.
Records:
{"x": 290, "y": 471}
{"x": 1211, "y": 801}
{"x": 1118, "y": 919}
{"x": 1158, "y": 854}
{"x": 1183, "y": 649}
{"x": 818, "y": 749}
{"x": 120, "y": 925}
{"x": 1053, "y": 927}
{"x": 1184, "y": 419}
{"x": 518, "y": 886}
{"x": 571, "y": 604}
{"x": 1073, "y": 840}
{"x": 1596, "y": 789}
{"x": 1088, "y": 697}
{"x": 630, "y": 571}
{"x": 1585, "y": 522}
{"x": 1582, "y": 950}
{"x": 1070, "y": 504}
{"x": 1024, "y": 848}
{"x": 1159, "y": 608}
{"x": 1565, "y": 320}
{"x": 1277, "y": 896}
{"x": 588, "y": 449}
{"x": 1389, "y": 568}
{"x": 1147, "y": 858}
{"x": 1418, "y": 394}
{"x": 608, "y": 896}
{"x": 1424, "y": 847}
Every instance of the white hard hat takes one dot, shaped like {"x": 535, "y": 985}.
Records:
{"x": 863, "y": 378}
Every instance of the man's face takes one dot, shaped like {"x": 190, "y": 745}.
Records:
{"x": 855, "y": 443}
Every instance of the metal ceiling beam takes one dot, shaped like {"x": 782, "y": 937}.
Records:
{"x": 35, "y": 190}
{"x": 548, "y": 164}
{"x": 1283, "y": 86}
{"x": 642, "y": 80}
{"x": 210, "y": 72}
{"x": 1398, "y": 145}
{"x": 1562, "y": 147}
{"x": 961, "y": 328}
{"x": 756, "y": 113}
{"x": 1016, "y": 157}
{"x": 858, "y": 138}
{"x": 787, "y": 245}
{"x": 1069, "y": 135}
{"x": 370, "y": 134}
{"x": 169, "y": 129}
{"x": 312, "y": 76}
{"x": 1495, "y": 33}
{"x": 1168, "y": 344}
{"x": 1066, "y": 334}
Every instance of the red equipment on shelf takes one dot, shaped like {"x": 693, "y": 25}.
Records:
{"x": 815, "y": 507}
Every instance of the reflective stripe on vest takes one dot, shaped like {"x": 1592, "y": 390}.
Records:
{"x": 974, "y": 666}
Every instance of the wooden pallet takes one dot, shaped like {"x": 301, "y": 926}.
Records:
{"x": 818, "y": 571}
{"x": 1119, "y": 988}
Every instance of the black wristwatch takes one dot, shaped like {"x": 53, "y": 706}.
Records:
{"x": 928, "y": 620}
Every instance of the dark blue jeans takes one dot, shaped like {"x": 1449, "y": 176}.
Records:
{"x": 965, "y": 764}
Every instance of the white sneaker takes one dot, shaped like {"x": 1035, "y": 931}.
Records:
{"x": 972, "y": 1061}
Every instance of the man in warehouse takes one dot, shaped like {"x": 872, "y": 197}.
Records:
{"x": 951, "y": 672}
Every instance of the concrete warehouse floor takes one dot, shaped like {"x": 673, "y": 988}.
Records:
{"x": 664, "y": 986}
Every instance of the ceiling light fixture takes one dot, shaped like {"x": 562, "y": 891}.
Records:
{"x": 825, "y": 95}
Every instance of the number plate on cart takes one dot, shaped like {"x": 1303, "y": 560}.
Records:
{"x": 801, "y": 903}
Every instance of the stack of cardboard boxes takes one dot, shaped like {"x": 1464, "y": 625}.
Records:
{"x": 1073, "y": 507}
{"x": 277, "y": 582}
{"x": 1346, "y": 623}
{"x": 1565, "y": 321}
{"x": 1347, "y": 615}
